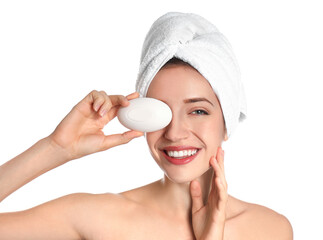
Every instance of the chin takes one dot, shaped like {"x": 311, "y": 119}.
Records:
{"x": 182, "y": 176}
{"x": 179, "y": 180}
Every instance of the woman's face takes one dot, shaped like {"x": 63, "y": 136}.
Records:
{"x": 183, "y": 149}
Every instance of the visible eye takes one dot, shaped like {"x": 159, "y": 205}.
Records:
{"x": 200, "y": 112}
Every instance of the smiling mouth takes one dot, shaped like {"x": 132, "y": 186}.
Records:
{"x": 181, "y": 154}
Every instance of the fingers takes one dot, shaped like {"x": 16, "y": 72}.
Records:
{"x": 103, "y": 103}
{"x": 219, "y": 179}
{"x": 218, "y": 166}
{"x": 117, "y": 101}
{"x": 220, "y": 158}
{"x": 118, "y": 139}
{"x": 196, "y": 194}
{"x": 132, "y": 95}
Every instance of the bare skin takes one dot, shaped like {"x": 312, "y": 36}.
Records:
{"x": 190, "y": 202}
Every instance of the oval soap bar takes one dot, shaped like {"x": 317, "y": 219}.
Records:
{"x": 145, "y": 115}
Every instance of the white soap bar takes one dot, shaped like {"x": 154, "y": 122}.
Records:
{"x": 145, "y": 115}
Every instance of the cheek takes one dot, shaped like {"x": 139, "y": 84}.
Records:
{"x": 152, "y": 139}
{"x": 211, "y": 133}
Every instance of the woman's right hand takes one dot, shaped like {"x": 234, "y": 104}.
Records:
{"x": 80, "y": 132}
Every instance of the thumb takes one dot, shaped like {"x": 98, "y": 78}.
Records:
{"x": 118, "y": 139}
{"x": 196, "y": 194}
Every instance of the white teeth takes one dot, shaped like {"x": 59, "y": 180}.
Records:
{"x": 184, "y": 153}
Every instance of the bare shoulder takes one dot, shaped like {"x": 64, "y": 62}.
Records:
{"x": 99, "y": 215}
{"x": 269, "y": 223}
{"x": 260, "y": 222}
{"x": 100, "y": 204}
{"x": 75, "y": 216}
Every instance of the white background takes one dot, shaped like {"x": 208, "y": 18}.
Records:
{"x": 52, "y": 53}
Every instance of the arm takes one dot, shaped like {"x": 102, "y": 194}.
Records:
{"x": 40, "y": 158}
{"x": 79, "y": 134}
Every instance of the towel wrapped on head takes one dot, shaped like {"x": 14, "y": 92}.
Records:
{"x": 198, "y": 42}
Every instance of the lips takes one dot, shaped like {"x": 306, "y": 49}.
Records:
{"x": 180, "y": 155}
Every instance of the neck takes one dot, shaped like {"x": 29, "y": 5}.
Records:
{"x": 175, "y": 198}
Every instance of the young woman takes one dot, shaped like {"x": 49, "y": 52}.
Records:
{"x": 189, "y": 202}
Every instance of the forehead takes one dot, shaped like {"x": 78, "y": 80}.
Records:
{"x": 180, "y": 82}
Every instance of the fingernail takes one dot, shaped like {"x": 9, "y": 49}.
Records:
{"x": 102, "y": 113}
{"x": 96, "y": 107}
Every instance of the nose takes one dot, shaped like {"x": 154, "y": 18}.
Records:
{"x": 176, "y": 130}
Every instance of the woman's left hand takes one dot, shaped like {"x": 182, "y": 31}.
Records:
{"x": 208, "y": 220}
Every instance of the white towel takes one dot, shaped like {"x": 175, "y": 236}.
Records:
{"x": 195, "y": 40}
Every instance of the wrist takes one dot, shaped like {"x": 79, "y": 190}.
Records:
{"x": 61, "y": 154}
{"x": 216, "y": 233}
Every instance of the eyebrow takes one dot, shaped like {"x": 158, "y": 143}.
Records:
{"x": 193, "y": 100}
